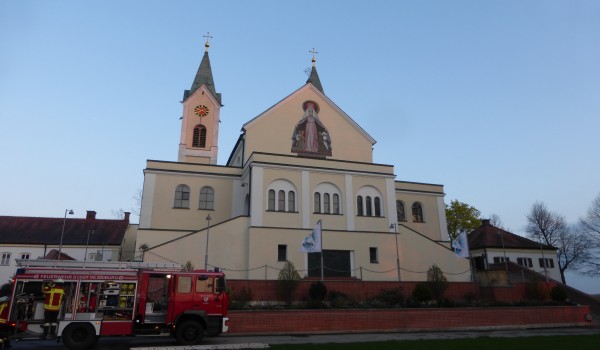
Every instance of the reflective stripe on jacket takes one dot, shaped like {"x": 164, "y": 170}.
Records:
{"x": 53, "y": 298}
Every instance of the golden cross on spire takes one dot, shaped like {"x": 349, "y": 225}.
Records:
{"x": 314, "y": 58}
{"x": 207, "y": 44}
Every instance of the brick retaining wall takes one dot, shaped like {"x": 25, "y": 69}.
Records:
{"x": 358, "y": 290}
{"x": 328, "y": 321}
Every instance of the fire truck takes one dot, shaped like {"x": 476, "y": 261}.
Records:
{"x": 120, "y": 298}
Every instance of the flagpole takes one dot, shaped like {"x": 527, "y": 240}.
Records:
{"x": 322, "y": 274}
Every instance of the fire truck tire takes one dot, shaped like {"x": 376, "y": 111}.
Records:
{"x": 189, "y": 332}
{"x": 79, "y": 336}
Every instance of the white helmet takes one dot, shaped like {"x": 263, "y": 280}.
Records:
{"x": 58, "y": 280}
{"x": 3, "y": 299}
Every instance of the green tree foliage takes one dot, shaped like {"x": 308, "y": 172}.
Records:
{"x": 437, "y": 282}
{"x": 288, "y": 281}
{"x": 461, "y": 217}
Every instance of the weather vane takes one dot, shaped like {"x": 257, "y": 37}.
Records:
{"x": 314, "y": 58}
{"x": 207, "y": 44}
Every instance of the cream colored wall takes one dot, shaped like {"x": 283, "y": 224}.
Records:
{"x": 227, "y": 244}
{"x": 263, "y": 252}
{"x": 418, "y": 254}
{"x": 129, "y": 243}
{"x": 431, "y": 208}
{"x": 164, "y": 184}
{"x": 272, "y": 131}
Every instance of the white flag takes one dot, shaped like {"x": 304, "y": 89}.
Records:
{"x": 461, "y": 245}
{"x": 312, "y": 242}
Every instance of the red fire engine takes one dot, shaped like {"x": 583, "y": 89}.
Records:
{"x": 120, "y": 298}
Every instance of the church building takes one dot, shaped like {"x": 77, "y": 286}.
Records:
{"x": 301, "y": 165}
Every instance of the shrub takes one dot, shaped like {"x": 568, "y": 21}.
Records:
{"x": 437, "y": 282}
{"x": 317, "y": 291}
{"x": 316, "y": 295}
{"x": 534, "y": 289}
{"x": 558, "y": 294}
{"x": 240, "y": 298}
{"x": 391, "y": 297}
{"x": 288, "y": 280}
{"x": 422, "y": 293}
{"x": 338, "y": 299}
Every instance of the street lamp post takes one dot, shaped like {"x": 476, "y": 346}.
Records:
{"x": 208, "y": 218}
{"x": 395, "y": 226}
{"x": 87, "y": 242}
{"x": 70, "y": 212}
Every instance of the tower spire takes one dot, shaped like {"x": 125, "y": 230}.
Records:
{"x": 204, "y": 75}
{"x": 314, "y": 76}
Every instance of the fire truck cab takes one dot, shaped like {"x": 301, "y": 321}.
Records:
{"x": 120, "y": 298}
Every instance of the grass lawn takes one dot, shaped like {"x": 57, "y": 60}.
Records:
{"x": 562, "y": 342}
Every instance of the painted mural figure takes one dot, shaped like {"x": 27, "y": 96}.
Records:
{"x": 310, "y": 137}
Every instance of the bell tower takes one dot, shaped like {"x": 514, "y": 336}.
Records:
{"x": 200, "y": 121}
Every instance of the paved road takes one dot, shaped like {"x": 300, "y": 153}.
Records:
{"x": 126, "y": 343}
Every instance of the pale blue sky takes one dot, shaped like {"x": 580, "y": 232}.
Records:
{"x": 499, "y": 101}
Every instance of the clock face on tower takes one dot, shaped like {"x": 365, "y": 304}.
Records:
{"x": 201, "y": 110}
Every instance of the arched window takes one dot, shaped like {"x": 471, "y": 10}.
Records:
{"x": 371, "y": 197}
{"x": 329, "y": 198}
{"x": 326, "y": 207}
{"x": 336, "y": 204}
{"x": 207, "y": 198}
{"x": 182, "y": 197}
{"x": 417, "y": 212}
{"x": 359, "y": 206}
{"x": 317, "y": 202}
{"x": 271, "y": 205}
{"x": 281, "y": 196}
{"x": 400, "y": 214}
{"x": 281, "y": 201}
{"x": 291, "y": 201}
{"x": 199, "y": 139}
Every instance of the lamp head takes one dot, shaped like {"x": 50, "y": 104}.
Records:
{"x": 71, "y": 212}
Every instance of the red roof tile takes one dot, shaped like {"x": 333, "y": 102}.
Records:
{"x": 35, "y": 230}
{"x": 489, "y": 236}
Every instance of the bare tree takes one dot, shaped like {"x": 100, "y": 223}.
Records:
{"x": 137, "y": 197}
{"x": 550, "y": 228}
{"x": 590, "y": 227}
{"x": 496, "y": 221}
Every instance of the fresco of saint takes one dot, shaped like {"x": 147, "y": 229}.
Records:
{"x": 310, "y": 137}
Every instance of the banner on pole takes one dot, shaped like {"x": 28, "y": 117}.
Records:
{"x": 312, "y": 242}
{"x": 461, "y": 245}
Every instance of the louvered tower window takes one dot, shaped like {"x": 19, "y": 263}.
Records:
{"x": 199, "y": 139}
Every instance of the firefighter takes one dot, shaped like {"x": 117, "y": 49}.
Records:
{"x": 4, "y": 328}
{"x": 53, "y": 293}
{"x": 3, "y": 309}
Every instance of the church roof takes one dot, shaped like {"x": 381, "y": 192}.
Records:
{"x": 47, "y": 231}
{"x": 314, "y": 79}
{"x": 204, "y": 76}
{"x": 489, "y": 236}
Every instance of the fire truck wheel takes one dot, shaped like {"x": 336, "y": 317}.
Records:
{"x": 189, "y": 332}
{"x": 79, "y": 336}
